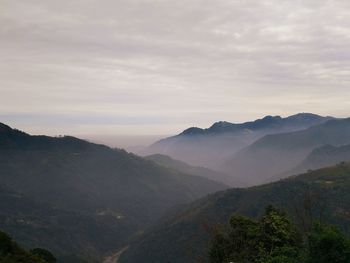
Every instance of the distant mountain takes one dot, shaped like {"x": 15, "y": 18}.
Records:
{"x": 208, "y": 147}
{"x": 108, "y": 189}
{"x": 323, "y": 157}
{"x": 298, "y": 121}
{"x": 184, "y": 235}
{"x": 183, "y": 167}
{"x": 275, "y": 154}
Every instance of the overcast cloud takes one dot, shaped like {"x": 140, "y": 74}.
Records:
{"x": 159, "y": 66}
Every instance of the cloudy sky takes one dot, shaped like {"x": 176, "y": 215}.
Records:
{"x": 159, "y": 66}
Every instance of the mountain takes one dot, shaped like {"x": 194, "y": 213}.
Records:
{"x": 184, "y": 235}
{"x": 208, "y": 147}
{"x": 323, "y": 156}
{"x": 102, "y": 190}
{"x": 35, "y": 223}
{"x": 277, "y": 153}
{"x": 183, "y": 167}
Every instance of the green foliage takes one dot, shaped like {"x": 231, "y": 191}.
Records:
{"x": 286, "y": 254}
{"x": 275, "y": 239}
{"x": 239, "y": 244}
{"x": 328, "y": 244}
{"x": 243, "y": 236}
{"x": 277, "y": 231}
{"x": 257, "y": 241}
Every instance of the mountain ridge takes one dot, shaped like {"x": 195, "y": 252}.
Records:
{"x": 208, "y": 147}
{"x": 265, "y": 122}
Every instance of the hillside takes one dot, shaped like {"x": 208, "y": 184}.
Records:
{"x": 183, "y": 167}
{"x": 183, "y": 237}
{"x": 34, "y": 223}
{"x": 108, "y": 189}
{"x": 322, "y": 157}
{"x": 208, "y": 147}
{"x": 11, "y": 252}
{"x": 275, "y": 154}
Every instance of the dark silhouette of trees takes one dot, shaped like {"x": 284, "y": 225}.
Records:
{"x": 11, "y": 252}
{"x": 274, "y": 238}
{"x": 44, "y": 255}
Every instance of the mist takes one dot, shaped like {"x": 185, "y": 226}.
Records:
{"x": 131, "y": 143}
{"x": 213, "y": 146}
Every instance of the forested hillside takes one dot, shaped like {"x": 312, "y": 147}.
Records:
{"x": 184, "y": 237}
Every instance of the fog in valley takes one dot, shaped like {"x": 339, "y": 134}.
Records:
{"x": 131, "y": 143}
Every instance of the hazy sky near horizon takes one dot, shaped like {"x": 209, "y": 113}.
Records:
{"x": 159, "y": 66}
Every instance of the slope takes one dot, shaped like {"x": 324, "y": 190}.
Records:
{"x": 184, "y": 236}
{"x": 322, "y": 157}
{"x": 77, "y": 176}
{"x": 183, "y": 167}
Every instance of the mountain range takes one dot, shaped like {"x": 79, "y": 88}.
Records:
{"x": 209, "y": 147}
{"x": 275, "y": 154}
{"x": 92, "y": 199}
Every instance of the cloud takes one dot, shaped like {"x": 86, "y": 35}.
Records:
{"x": 170, "y": 64}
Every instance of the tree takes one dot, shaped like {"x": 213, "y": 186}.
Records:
{"x": 275, "y": 239}
{"x": 277, "y": 231}
{"x": 6, "y": 245}
{"x": 11, "y": 252}
{"x": 328, "y": 244}
{"x": 286, "y": 254}
{"x": 44, "y": 255}
{"x": 255, "y": 241}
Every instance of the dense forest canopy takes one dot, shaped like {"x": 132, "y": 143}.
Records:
{"x": 274, "y": 238}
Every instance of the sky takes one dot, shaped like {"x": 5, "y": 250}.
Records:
{"x": 154, "y": 67}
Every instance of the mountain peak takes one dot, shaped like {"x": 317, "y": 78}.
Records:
{"x": 270, "y": 117}
{"x": 305, "y": 115}
{"x": 221, "y": 124}
{"x": 192, "y": 131}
